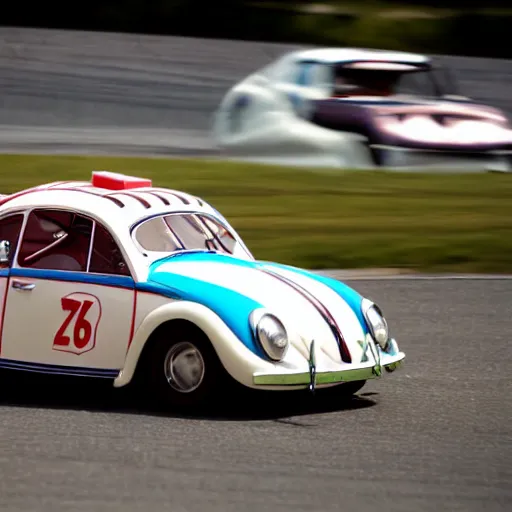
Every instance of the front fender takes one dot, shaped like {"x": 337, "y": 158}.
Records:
{"x": 237, "y": 359}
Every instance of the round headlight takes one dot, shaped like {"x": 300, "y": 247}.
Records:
{"x": 271, "y": 334}
{"x": 377, "y": 323}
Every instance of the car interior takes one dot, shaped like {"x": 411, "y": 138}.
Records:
{"x": 60, "y": 240}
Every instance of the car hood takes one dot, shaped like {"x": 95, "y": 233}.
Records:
{"x": 310, "y": 306}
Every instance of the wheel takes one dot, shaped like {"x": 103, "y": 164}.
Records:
{"x": 182, "y": 368}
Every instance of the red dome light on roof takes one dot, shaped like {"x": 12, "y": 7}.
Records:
{"x": 116, "y": 181}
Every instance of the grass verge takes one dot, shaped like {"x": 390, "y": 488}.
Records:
{"x": 319, "y": 220}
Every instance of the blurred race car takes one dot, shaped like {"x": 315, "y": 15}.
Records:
{"x": 359, "y": 108}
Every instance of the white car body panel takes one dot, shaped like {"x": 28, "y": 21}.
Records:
{"x": 33, "y": 319}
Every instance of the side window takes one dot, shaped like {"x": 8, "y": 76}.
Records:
{"x": 304, "y": 76}
{"x": 55, "y": 240}
{"x": 106, "y": 257}
{"x": 287, "y": 73}
{"x": 155, "y": 235}
{"x": 189, "y": 231}
{"x": 323, "y": 78}
{"x": 10, "y": 228}
{"x": 223, "y": 240}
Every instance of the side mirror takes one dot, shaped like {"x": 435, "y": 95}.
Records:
{"x": 5, "y": 249}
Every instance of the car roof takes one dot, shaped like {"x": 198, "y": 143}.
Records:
{"x": 338, "y": 55}
{"x": 115, "y": 200}
{"x": 117, "y": 208}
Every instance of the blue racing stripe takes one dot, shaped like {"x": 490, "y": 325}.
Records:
{"x": 397, "y": 103}
{"x": 76, "y": 277}
{"x": 232, "y": 307}
{"x": 348, "y": 294}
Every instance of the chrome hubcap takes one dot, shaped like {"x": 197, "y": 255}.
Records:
{"x": 184, "y": 367}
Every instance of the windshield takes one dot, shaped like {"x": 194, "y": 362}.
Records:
{"x": 187, "y": 231}
{"x": 388, "y": 79}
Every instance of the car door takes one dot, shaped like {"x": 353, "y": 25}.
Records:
{"x": 70, "y": 299}
{"x": 10, "y": 229}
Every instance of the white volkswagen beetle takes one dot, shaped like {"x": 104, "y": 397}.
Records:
{"x": 114, "y": 278}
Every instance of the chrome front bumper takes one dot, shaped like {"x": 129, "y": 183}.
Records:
{"x": 377, "y": 361}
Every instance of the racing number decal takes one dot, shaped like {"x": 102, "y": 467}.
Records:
{"x": 77, "y": 333}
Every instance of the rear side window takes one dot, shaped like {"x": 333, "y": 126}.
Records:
{"x": 64, "y": 240}
{"x": 106, "y": 257}
{"x": 55, "y": 240}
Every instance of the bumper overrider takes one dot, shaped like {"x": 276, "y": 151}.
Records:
{"x": 375, "y": 360}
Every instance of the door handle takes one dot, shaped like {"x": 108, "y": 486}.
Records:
{"x": 21, "y": 285}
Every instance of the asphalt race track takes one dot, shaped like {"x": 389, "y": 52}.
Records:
{"x": 435, "y": 436}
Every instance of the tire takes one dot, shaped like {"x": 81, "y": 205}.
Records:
{"x": 182, "y": 369}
